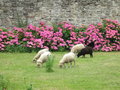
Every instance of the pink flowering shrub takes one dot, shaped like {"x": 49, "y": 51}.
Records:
{"x": 111, "y": 34}
{"x": 61, "y": 36}
{"x": 7, "y": 38}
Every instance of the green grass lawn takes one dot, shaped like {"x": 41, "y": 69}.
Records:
{"x": 102, "y": 72}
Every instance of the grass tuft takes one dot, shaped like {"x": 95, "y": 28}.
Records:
{"x": 3, "y": 83}
{"x": 49, "y": 64}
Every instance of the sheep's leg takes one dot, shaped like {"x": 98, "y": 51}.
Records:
{"x": 78, "y": 55}
{"x": 91, "y": 55}
{"x": 70, "y": 64}
{"x": 67, "y": 66}
{"x": 41, "y": 65}
{"x": 84, "y": 56}
{"x": 74, "y": 63}
{"x": 64, "y": 65}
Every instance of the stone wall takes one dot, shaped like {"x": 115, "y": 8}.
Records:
{"x": 51, "y": 11}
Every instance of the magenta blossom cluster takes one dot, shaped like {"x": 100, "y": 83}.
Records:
{"x": 7, "y": 38}
{"x": 63, "y": 36}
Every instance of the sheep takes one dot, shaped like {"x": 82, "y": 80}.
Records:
{"x": 86, "y": 50}
{"x": 67, "y": 58}
{"x": 39, "y": 54}
{"x": 43, "y": 58}
{"x": 77, "y": 48}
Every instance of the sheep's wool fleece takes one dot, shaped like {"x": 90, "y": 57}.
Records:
{"x": 44, "y": 57}
{"x": 42, "y": 51}
{"x": 39, "y": 53}
{"x": 68, "y": 56}
{"x": 77, "y": 48}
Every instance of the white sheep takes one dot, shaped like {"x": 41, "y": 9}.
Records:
{"x": 43, "y": 58}
{"x": 67, "y": 58}
{"x": 77, "y": 48}
{"x": 39, "y": 54}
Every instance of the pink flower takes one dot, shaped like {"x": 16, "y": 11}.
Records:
{"x": 24, "y": 39}
{"x": 54, "y": 47}
{"x": 0, "y": 39}
{"x": 61, "y": 44}
{"x": 3, "y": 32}
{"x": 31, "y": 27}
{"x": 31, "y": 43}
{"x": 71, "y": 45}
{"x": 69, "y": 41}
{"x": 42, "y": 23}
{"x": 18, "y": 29}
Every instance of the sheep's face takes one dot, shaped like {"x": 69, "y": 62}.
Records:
{"x": 60, "y": 65}
{"x": 39, "y": 64}
{"x": 34, "y": 60}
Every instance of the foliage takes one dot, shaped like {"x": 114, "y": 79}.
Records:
{"x": 30, "y": 87}
{"x": 27, "y": 86}
{"x": 3, "y": 83}
{"x": 49, "y": 64}
{"x": 61, "y": 36}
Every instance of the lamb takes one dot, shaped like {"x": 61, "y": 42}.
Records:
{"x": 77, "y": 48}
{"x": 43, "y": 58}
{"x": 86, "y": 50}
{"x": 67, "y": 58}
{"x": 39, "y": 54}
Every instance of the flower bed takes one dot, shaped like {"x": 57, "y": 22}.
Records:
{"x": 61, "y": 36}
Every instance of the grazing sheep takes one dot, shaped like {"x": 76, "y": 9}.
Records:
{"x": 67, "y": 58}
{"x": 77, "y": 48}
{"x": 86, "y": 50}
{"x": 43, "y": 58}
{"x": 39, "y": 54}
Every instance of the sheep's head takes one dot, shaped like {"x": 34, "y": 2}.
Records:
{"x": 34, "y": 60}
{"x": 61, "y": 65}
{"x": 39, "y": 64}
